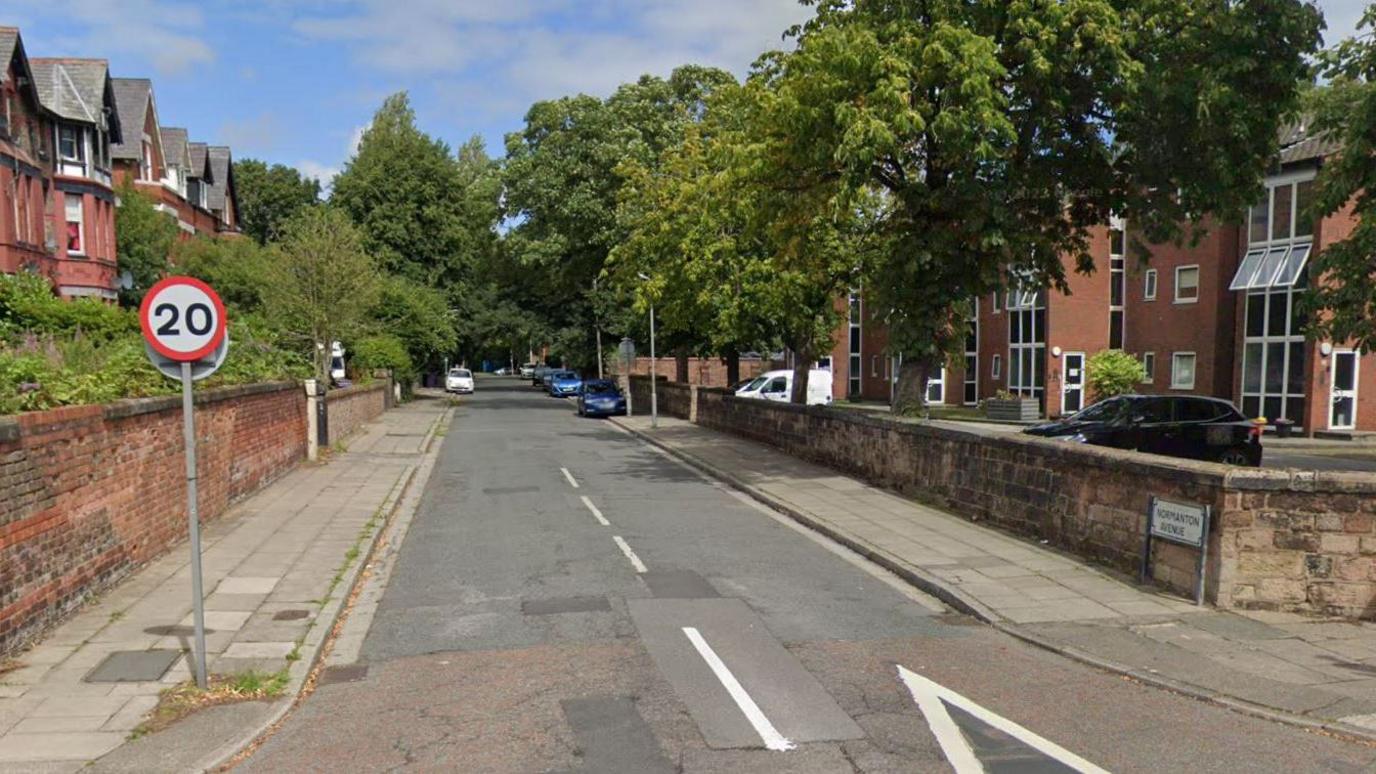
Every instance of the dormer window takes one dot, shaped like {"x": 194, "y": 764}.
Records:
{"x": 69, "y": 145}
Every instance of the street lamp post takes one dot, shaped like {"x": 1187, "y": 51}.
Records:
{"x": 597, "y": 327}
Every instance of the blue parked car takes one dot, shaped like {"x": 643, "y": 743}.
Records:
{"x": 564, "y": 383}
{"x": 601, "y": 398}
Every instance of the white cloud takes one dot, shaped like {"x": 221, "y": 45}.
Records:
{"x": 166, "y": 34}
{"x": 323, "y": 173}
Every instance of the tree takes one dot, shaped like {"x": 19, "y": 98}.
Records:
{"x": 422, "y": 213}
{"x": 1344, "y": 293}
{"x": 237, "y": 268}
{"x": 269, "y": 195}
{"x": 999, "y": 133}
{"x": 323, "y": 283}
{"x": 561, "y": 182}
{"x": 419, "y": 317}
{"x": 144, "y": 240}
{"x": 1114, "y": 372}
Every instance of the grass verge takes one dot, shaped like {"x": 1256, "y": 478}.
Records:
{"x": 185, "y": 698}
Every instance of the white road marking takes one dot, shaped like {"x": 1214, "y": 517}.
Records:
{"x": 569, "y": 476}
{"x": 932, "y": 698}
{"x": 626, "y": 549}
{"x": 770, "y": 735}
{"x": 596, "y": 513}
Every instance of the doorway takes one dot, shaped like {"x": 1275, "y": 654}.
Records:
{"x": 1343, "y": 412}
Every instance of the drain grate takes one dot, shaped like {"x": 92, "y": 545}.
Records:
{"x": 290, "y": 615}
{"x": 133, "y": 666}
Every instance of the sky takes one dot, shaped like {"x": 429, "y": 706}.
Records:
{"x": 296, "y": 81}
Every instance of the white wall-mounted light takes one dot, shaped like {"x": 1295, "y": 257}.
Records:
{"x": 1326, "y": 348}
{"x": 1055, "y": 351}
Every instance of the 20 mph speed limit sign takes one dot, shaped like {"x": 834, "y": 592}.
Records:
{"x": 182, "y": 319}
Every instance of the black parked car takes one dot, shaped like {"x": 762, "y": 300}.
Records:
{"x": 1197, "y": 428}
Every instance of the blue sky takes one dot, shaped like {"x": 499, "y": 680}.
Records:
{"x": 295, "y": 81}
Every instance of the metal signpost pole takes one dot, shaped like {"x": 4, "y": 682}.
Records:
{"x": 193, "y": 524}
{"x": 654, "y": 397}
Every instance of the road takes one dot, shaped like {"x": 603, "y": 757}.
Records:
{"x": 568, "y": 599}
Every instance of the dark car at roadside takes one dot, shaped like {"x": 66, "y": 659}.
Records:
{"x": 601, "y": 398}
{"x": 1192, "y": 427}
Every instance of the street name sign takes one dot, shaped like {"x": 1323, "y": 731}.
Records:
{"x": 1185, "y": 524}
{"x": 186, "y": 335}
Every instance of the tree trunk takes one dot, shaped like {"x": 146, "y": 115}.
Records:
{"x": 802, "y": 366}
{"x": 733, "y": 367}
{"x": 681, "y": 367}
{"x": 910, "y": 394}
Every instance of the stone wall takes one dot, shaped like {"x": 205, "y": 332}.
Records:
{"x": 1281, "y": 540}
{"x": 673, "y": 398}
{"x": 703, "y": 371}
{"x": 90, "y": 493}
{"x": 352, "y": 407}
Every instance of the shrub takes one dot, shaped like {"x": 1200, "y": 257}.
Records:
{"x": 384, "y": 351}
{"x": 1114, "y": 372}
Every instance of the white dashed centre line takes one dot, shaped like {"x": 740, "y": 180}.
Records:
{"x": 626, "y": 549}
{"x": 596, "y": 513}
{"x": 572, "y": 482}
{"x": 768, "y": 733}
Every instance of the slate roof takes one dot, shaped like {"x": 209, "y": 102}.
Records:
{"x": 132, "y": 98}
{"x": 9, "y": 39}
{"x": 175, "y": 147}
{"x": 75, "y": 89}
{"x": 199, "y": 161}
{"x": 219, "y": 185}
{"x": 1298, "y": 144}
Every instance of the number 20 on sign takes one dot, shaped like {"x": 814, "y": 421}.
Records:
{"x": 183, "y": 322}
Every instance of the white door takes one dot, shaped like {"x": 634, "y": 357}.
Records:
{"x": 1073, "y": 382}
{"x": 1343, "y": 413}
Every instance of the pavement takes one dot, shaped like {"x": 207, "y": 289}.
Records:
{"x": 1309, "y": 671}
{"x": 277, "y": 568}
{"x": 568, "y": 598}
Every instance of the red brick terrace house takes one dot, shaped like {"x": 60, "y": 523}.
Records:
{"x": 1214, "y": 318}
{"x": 79, "y": 95}
{"x": 26, "y": 152}
{"x": 202, "y": 179}
{"x": 223, "y": 198}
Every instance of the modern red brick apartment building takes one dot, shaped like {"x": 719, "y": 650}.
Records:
{"x": 68, "y": 133}
{"x": 1213, "y": 318}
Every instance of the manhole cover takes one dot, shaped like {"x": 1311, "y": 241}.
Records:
{"x": 133, "y": 666}
{"x": 349, "y": 673}
{"x": 564, "y": 605}
{"x": 290, "y": 615}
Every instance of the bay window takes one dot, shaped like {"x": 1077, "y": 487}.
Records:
{"x": 76, "y": 243}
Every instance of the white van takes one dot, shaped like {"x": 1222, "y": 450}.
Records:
{"x": 778, "y": 385}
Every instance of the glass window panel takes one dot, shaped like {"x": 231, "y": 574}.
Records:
{"x": 1275, "y": 366}
{"x": 1244, "y": 272}
{"x": 854, "y": 339}
{"x": 1272, "y": 408}
{"x": 1115, "y": 241}
{"x": 1256, "y": 314}
{"x": 1304, "y": 199}
{"x": 1299, "y": 318}
{"x": 1182, "y": 371}
{"x": 1294, "y": 380}
{"x": 1251, "y": 406}
{"x": 1029, "y": 374}
{"x": 1038, "y": 326}
{"x": 1115, "y": 330}
{"x": 1266, "y": 270}
{"x": 1038, "y": 367}
{"x": 1149, "y": 365}
{"x": 1116, "y": 289}
{"x": 1014, "y": 373}
{"x": 1260, "y": 222}
{"x": 1275, "y": 316}
{"x": 1251, "y": 368}
{"x": 995, "y": 369}
{"x": 1280, "y": 212}
{"x": 1149, "y": 291}
{"x": 1343, "y": 366}
{"x": 1015, "y": 327}
{"x": 1294, "y": 409}
{"x": 1294, "y": 264}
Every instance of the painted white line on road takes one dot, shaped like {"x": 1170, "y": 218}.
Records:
{"x": 596, "y": 513}
{"x": 626, "y": 549}
{"x": 770, "y": 735}
{"x": 932, "y": 699}
{"x": 569, "y": 476}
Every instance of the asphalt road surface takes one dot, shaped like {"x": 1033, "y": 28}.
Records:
{"x": 567, "y": 599}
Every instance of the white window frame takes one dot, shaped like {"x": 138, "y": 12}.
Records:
{"x": 1149, "y": 358}
{"x": 996, "y": 367}
{"x": 1149, "y": 285}
{"x": 1197, "y": 283}
{"x": 80, "y": 220}
{"x": 1176, "y": 384}
{"x": 855, "y": 343}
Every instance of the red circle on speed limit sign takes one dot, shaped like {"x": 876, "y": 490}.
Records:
{"x": 182, "y": 319}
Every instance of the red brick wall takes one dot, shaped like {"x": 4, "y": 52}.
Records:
{"x": 705, "y": 371}
{"x": 90, "y": 493}
{"x": 353, "y": 407}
